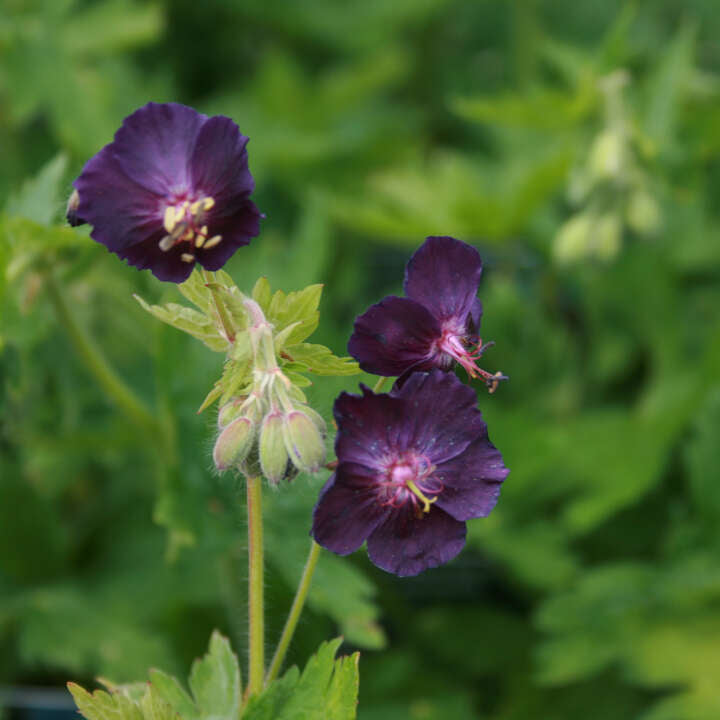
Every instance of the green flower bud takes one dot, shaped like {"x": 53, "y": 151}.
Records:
{"x": 273, "y": 455}
{"x": 606, "y": 156}
{"x": 571, "y": 242}
{"x": 607, "y": 236}
{"x": 317, "y": 418}
{"x": 230, "y": 411}
{"x": 303, "y": 440}
{"x": 234, "y": 443}
{"x": 643, "y": 213}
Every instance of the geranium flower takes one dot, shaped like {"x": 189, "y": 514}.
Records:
{"x": 172, "y": 189}
{"x": 437, "y": 323}
{"x": 413, "y": 466}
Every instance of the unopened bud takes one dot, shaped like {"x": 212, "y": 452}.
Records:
{"x": 607, "y": 236}
{"x": 643, "y": 213}
{"x": 230, "y": 411}
{"x": 273, "y": 455}
{"x": 233, "y": 444}
{"x": 303, "y": 441}
{"x": 71, "y": 212}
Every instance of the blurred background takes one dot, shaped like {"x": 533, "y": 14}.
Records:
{"x": 576, "y": 144}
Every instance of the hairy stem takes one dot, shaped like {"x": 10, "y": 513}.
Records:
{"x": 256, "y": 623}
{"x": 98, "y": 365}
{"x": 294, "y": 615}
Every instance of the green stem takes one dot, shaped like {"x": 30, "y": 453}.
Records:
{"x": 294, "y": 615}
{"x": 380, "y": 384}
{"x": 220, "y": 307}
{"x": 256, "y": 623}
{"x": 97, "y": 363}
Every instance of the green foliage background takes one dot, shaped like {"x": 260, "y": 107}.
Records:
{"x": 576, "y": 144}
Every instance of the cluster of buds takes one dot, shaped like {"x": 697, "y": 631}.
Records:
{"x": 270, "y": 430}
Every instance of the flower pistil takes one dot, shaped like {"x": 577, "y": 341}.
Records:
{"x": 409, "y": 480}
{"x": 456, "y": 345}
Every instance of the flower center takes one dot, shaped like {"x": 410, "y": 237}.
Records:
{"x": 184, "y": 222}
{"x": 456, "y": 344}
{"x": 408, "y": 480}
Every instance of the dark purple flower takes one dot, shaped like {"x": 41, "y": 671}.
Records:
{"x": 413, "y": 466}
{"x": 172, "y": 189}
{"x": 437, "y": 323}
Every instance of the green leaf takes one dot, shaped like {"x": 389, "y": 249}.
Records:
{"x": 703, "y": 460}
{"x": 261, "y": 293}
{"x": 327, "y": 689}
{"x": 215, "y": 681}
{"x": 170, "y": 690}
{"x": 197, "y": 292}
{"x": 114, "y": 26}
{"x": 38, "y": 199}
{"x": 320, "y": 360}
{"x": 190, "y": 321}
{"x": 300, "y": 307}
{"x": 101, "y": 705}
{"x": 669, "y": 83}
{"x": 154, "y": 707}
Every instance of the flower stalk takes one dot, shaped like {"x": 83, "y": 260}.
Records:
{"x": 294, "y": 614}
{"x": 256, "y": 670}
{"x": 96, "y": 362}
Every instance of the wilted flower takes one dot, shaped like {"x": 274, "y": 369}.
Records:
{"x": 435, "y": 325}
{"x": 413, "y": 466}
{"x": 172, "y": 189}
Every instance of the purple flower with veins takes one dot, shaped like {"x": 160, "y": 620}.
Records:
{"x": 436, "y": 325}
{"x": 172, "y": 189}
{"x": 413, "y": 466}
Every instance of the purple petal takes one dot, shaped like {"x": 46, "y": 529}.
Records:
{"x": 471, "y": 480}
{"x": 481, "y": 461}
{"x": 368, "y": 427}
{"x": 236, "y": 231}
{"x": 406, "y": 545}
{"x": 219, "y": 166}
{"x": 475, "y": 317}
{"x": 393, "y": 336}
{"x": 441, "y": 416}
{"x": 167, "y": 266}
{"x": 121, "y": 211}
{"x": 466, "y": 503}
{"x": 443, "y": 275}
{"x": 348, "y": 510}
{"x": 153, "y": 146}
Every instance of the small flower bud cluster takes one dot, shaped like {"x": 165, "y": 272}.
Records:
{"x": 271, "y": 430}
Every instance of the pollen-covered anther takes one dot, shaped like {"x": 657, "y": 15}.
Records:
{"x": 213, "y": 241}
{"x": 184, "y": 223}
{"x": 187, "y": 257}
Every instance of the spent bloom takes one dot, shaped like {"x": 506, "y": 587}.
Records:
{"x": 413, "y": 466}
{"x": 172, "y": 189}
{"x": 436, "y": 325}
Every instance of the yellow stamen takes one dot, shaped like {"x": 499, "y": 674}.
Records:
{"x": 187, "y": 236}
{"x": 415, "y": 490}
{"x": 195, "y": 207}
{"x": 212, "y": 242}
{"x": 169, "y": 221}
{"x": 166, "y": 243}
{"x": 208, "y": 203}
{"x": 199, "y": 240}
{"x": 187, "y": 257}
